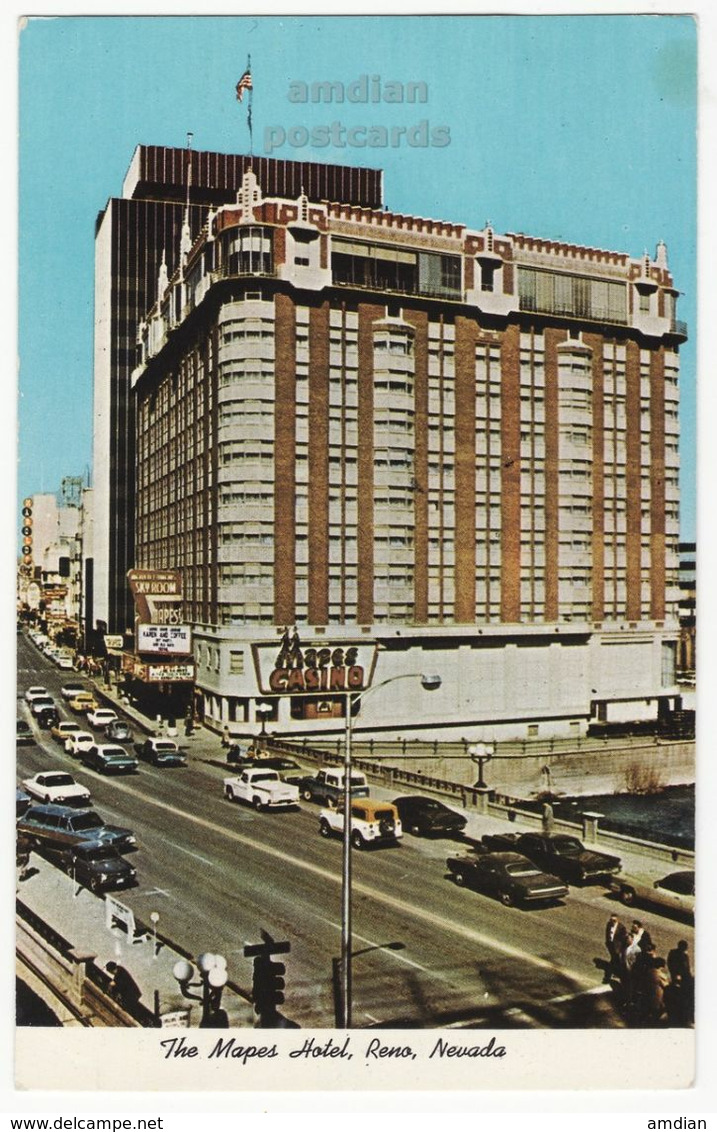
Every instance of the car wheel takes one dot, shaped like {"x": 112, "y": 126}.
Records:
{"x": 228, "y": 794}
{"x": 627, "y": 896}
{"x": 324, "y": 828}
{"x": 459, "y": 879}
{"x": 506, "y": 899}
{"x": 330, "y": 803}
{"x": 256, "y": 803}
{"x": 95, "y": 887}
{"x": 415, "y": 830}
{"x": 306, "y": 795}
{"x": 357, "y": 840}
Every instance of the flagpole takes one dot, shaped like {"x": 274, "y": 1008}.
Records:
{"x": 249, "y": 109}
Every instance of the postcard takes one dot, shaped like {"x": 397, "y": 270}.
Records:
{"x": 356, "y": 519}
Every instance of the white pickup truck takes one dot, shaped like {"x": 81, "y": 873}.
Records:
{"x": 262, "y": 789}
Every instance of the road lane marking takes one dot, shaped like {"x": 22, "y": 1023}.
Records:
{"x": 189, "y": 852}
{"x": 431, "y": 918}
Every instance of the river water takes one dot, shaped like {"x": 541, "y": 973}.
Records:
{"x": 667, "y": 817}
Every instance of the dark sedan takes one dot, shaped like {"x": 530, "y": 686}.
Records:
{"x": 108, "y": 759}
{"x": 512, "y": 878}
{"x": 100, "y": 867}
{"x": 424, "y": 817}
{"x": 560, "y": 853}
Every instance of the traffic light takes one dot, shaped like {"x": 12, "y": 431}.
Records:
{"x": 267, "y": 985}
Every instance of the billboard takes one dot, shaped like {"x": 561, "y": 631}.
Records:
{"x": 169, "y": 640}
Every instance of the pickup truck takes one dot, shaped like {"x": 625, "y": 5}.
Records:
{"x": 327, "y": 787}
{"x": 160, "y": 752}
{"x": 263, "y": 789}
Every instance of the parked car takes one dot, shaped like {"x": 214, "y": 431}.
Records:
{"x": 109, "y": 759}
{"x": 63, "y": 729}
{"x": 672, "y": 893}
{"x": 72, "y": 688}
{"x": 100, "y": 717}
{"x": 101, "y": 868}
{"x": 558, "y": 853}
{"x": 58, "y": 829}
{"x": 283, "y": 765}
{"x": 327, "y": 786}
{"x": 23, "y": 732}
{"x": 427, "y": 816}
{"x": 160, "y": 752}
{"x": 372, "y": 822}
{"x": 78, "y": 742}
{"x": 261, "y": 788}
{"x": 56, "y": 786}
{"x": 64, "y": 661}
{"x": 118, "y": 731}
{"x": 23, "y": 802}
{"x": 35, "y": 692}
{"x": 83, "y": 702}
{"x": 509, "y": 876}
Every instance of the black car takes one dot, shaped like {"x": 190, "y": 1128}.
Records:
{"x": 100, "y": 867}
{"x": 59, "y": 829}
{"x": 425, "y": 816}
{"x": 48, "y": 717}
{"x": 509, "y": 876}
{"x": 559, "y": 853}
{"x": 23, "y": 732}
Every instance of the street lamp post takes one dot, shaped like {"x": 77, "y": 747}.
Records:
{"x": 429, "y": 683}
{"x": 213, "y": 976}
{"x": 481, "y": 753}
{"x": 263, "y": 710}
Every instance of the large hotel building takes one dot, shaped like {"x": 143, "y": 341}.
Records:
{"x": 416, "y": 446}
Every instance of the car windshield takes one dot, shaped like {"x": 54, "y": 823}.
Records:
{"x": 567, "y": 846}
{"x": 266, "y": 776}
{"x": 380, "y": 814}
{"x": 522, "y": 870}
{"x": 164, "y": 747}
{"x": 358, "y": 780}
{"x": 114, "y": 756}
{"x": 87, "y": 821}
{"x": 100, "y": 853}
{"x": 58, "y": 780}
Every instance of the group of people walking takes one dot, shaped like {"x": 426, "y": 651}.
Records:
{"x": 652, "y": 990}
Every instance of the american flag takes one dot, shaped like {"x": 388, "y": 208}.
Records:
{"x": 244, "y": 83}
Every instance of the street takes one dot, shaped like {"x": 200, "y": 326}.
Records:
{"x": 217, "y": 873}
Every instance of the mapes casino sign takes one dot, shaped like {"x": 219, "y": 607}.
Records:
{"x": 298, "y": 669}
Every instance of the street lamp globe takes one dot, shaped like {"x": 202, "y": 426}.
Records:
{"x": 182, "y": 971}
{"x": 218, "y": 977}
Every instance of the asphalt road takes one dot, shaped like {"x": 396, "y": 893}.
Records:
{"x": 218, "y": 872}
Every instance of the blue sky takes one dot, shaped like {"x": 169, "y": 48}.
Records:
{"x": 579, "y": 128}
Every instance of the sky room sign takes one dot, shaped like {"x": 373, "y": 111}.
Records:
{"x": 319, "y": 667}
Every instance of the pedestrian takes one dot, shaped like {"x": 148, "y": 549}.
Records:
{"x": 188, "y": 724}
{"x": 628, "y": 979}
{"x": 615, "y": 942}
{"x": 654, "y": 980}
{"x": 122, "y": 986}
{"x": 679, "y": 997}
{"x": 641, "y": 934}
{"x": 225, "y": 735}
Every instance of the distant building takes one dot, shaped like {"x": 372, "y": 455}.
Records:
{"x": 427, "y": 448}
{"x": 687, "y": 651}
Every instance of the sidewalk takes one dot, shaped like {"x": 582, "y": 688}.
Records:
{"x": 58, "y": 901}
